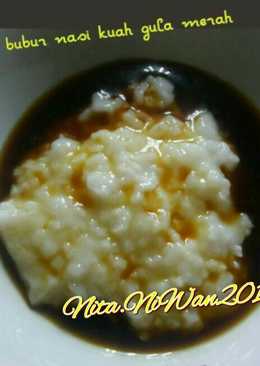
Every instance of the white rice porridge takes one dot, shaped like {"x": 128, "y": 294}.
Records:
{"x": 144, "y": 206}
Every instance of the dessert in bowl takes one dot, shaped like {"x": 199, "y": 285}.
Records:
{"x": 130, "y": 186}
